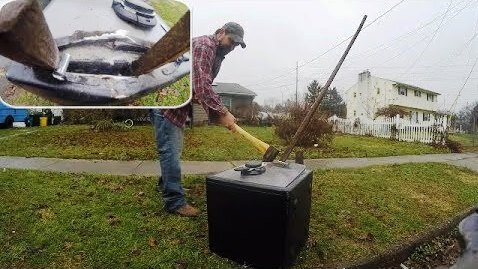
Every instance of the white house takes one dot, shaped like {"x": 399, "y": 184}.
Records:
{"x": 371, "y": 93}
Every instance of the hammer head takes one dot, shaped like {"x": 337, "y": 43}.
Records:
{"x": 270, "y": 155}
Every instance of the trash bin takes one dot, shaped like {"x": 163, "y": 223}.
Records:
{"x": 43, "y": 121}
{"x": 56, "y": 120}
{"x": 35, "y": 119}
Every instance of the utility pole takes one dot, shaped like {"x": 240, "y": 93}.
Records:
{"x": 475, "y": 134}
{"x": 296, "y": 82}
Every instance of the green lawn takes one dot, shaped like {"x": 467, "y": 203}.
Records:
{"x": 5, "y": 133}
{"x": 169, "y": 10}
{"x": 468, "y": 141}
{"x": 178, "y": 93}
{"x": 210, "y": 143}
{"x": 81, "y": 221}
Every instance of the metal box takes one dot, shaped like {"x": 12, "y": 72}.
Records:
{"x": 260, "y": 220}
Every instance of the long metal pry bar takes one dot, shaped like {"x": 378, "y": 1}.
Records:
{"x": 323, "y": 91}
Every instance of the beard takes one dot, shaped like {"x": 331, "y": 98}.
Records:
{"x": 222, "y": 51}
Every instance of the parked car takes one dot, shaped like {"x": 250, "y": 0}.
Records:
{"x": 9, "y": 115}
{"x": 265, "y": 119}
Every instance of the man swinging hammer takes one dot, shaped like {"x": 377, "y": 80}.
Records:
{"x": 208, "y": 52}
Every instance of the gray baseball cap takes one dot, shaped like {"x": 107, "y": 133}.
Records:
{"x": 236, "y": 32}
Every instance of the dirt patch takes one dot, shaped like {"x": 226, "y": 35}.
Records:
{"x": 45, "y": 213}
{"x": 442, "y": 251}
{"x": 8, "y": 91}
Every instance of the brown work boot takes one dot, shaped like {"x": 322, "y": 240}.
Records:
{"x": 187, "y": 211}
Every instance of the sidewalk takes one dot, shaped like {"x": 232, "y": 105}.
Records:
{"x": 151, "y": 168}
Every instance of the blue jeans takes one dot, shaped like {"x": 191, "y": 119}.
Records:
{"x": 169, "y": 144}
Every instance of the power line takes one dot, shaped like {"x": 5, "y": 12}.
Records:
{"x": 406, "y": 49}
{"x": 345, "y": 40}
{"x": 286, "y": 75}
{"x": 443, "y": 16}
{"x": 466, "y": 43}
{"x": 379, "y": 47}
{"x": 400, "y": 67}
{"x": 334, "y": 47}
{"x": 296, "y": 83}
{"x": 464, "y": 84}
{"x": 431, "y": 40}
{"x": 406, "y": 34}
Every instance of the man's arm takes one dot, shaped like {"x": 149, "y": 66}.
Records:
{"x": 203, "y": 57}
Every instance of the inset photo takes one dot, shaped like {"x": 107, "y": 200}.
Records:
{"x": 95, "y": 53}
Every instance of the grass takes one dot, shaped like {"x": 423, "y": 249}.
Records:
{"x": 174, "y": 95}
{"x": 26, "y": 98}
{"x": 178, "y": 93}
{"x": 468, "y": 141}
{"x": 209, "y": 143}
{"x": 82, "y": 221}
{"x": 5, "y": 133}
{"x": 169, "y": 10}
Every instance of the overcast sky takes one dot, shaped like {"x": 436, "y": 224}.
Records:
{"x": 420, "y": 42}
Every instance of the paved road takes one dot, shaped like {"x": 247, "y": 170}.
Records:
{"x": 151, "y": 168}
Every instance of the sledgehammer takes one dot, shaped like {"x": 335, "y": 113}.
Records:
{"x": 270, "y": 153}
{"x": 26, "y": 38}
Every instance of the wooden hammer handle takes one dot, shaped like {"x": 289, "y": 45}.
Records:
{"x": 258, "y": 144}
{"x": 172, "y": 45}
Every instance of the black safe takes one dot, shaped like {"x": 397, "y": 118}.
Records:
{"x": 260, "y": 219}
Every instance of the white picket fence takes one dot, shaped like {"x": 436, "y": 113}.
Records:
{"x": 434, "y": 131}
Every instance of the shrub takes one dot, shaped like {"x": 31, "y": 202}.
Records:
{"x": 454, "y": 146}
{"x": 108, "y": 125}
{"x": 92, "y": 116}
{"x": 391, "y": 111}
{"x": 319, "y": 130}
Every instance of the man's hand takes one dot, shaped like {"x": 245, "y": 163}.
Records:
{"x": 227, "y": 120}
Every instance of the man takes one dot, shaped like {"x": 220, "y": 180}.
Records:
{"x": 208, "y": 52}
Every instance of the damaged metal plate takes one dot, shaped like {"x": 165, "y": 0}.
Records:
{"x": 101, "y": 47}
{"x": 276, "y": 176}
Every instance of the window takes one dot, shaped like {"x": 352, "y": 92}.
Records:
{"x": 431, "y": 97}
{"x": 378, "y": 90}
{"x": 227, "y": 101}
{"x": 418, "y": 93}
{"x": 355, "y": 113}
{"x": 355, "y": 94}
{"x": 426, "y": 116}
{"x": 402, "y": 91}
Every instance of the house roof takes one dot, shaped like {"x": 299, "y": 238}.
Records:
{"x": 396, "y": 83}
{"x": 232, "y": 89}
{"x": 414, "y": 87}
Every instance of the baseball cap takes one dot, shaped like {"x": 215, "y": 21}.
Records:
{"x": 236, "y": 32}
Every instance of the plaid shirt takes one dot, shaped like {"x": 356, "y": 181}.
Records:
{"x": 205, "y": 67}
